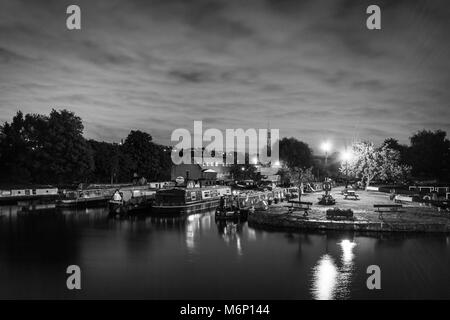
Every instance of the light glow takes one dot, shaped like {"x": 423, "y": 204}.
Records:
{"x": 346, "y": 155}
{"x": 325, "y": 275}
{"x": 326, "y": 146}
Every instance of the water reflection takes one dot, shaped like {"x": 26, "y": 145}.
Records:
{"x": 195, "y": 225}
{"x": 149, "y": 257}
{"x": 324, "y": 278}
{"x": 332, "y": 280}
{"x": 230, "y": 231}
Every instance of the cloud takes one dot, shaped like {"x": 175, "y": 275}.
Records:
{"x": 310, "y": 68}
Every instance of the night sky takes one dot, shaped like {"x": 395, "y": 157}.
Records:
{"x": 311, "y": 68}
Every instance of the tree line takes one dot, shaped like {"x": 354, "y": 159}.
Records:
{"x": 427, "y": 157}
{"x": 41, "y": 149}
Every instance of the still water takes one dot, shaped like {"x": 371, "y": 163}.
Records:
{"x": 198, "y": 258}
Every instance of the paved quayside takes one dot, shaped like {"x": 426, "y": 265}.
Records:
{"x": 413, "y": 217}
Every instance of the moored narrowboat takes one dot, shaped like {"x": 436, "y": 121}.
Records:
{"x": 84, "y": 198}
{"x": 28, "y": 193}
{"x": 180, "y": 200}
{"x": 131, "y": 200}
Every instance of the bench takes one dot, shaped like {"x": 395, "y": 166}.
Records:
{"x": 299, "y": 206}
{"x": 387, "y": 207}
{"x": 352, "y": 194}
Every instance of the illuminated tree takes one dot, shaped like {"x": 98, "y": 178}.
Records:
{"x": 369, "y": 163}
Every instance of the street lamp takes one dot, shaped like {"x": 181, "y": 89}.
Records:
{"x": 326, "y": 147}
{"x": 346, "y": 156}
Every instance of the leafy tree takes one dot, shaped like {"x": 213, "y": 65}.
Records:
{"x": 51, "y": 149}
{"x": 41, "y": 149}
{"x": 142, "y": 156}
{"x": 391, "y": 168}
{"x": 70, "y": 155}
{"x": 296, "y": 175}
{"x": 295, "y": 153}
{"x": 393, "y": 144}
{"x": 369, "y": 163}
{"x": 14, "y": 151}
{"x": 429, "y": 155}
{"x": 106, "y": 161}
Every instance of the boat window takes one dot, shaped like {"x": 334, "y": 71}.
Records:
{"x": 206, "y": 194}
{"x": 193, "y": 196}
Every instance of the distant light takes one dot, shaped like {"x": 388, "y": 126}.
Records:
{"x": 243, "y": 169}
{"x": 325, "y": 278}
{"x": 326, "y": 146}
{"x": 346, "y": 155}
{"x": 255, "y": 160}
{"x": 276, "y": 164}
{"x": 347, "y": 250}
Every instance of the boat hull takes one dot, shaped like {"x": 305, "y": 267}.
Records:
{"x": 186, "y": 208}
{"x": 82, "y": 203}
{"x": 121, "y": 208}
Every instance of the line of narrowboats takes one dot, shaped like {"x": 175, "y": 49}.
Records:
{"x": 158, "y": 198}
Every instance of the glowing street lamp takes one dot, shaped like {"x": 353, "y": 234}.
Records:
{"x": 326, "y": 147}
{"x": 346, "y": 156}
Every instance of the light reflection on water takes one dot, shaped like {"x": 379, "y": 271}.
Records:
{"x": 324, "y": 278}
{"x": 332, "y": 281}
{"x": 198, "y": 257}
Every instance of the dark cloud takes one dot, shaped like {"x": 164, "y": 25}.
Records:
{"x": 310, "y": 68}
{"x": 190, "y": 76}
{"x": 8, "y": 56}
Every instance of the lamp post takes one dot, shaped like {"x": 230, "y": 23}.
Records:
{"x": 326, "y": 147}
{"x": 346, "y": 156}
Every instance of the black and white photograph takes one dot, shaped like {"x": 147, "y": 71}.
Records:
{"x": 224, "y": 150}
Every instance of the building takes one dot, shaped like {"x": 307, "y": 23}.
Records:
{"x": 195, "y": 174}
{"x": 223, "y": 172}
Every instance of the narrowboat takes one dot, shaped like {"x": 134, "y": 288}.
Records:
{"x": 244, "y": 203}
{"x": 28, "y": 193}
{"x": 180, "y": 200}
{"x": 84, "y": 198}
{"x": 131, "y": 200}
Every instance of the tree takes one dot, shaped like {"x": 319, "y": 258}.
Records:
{"x": 70, "y": 157}
{"x": 391, "y": 169}
{"x": 14, "y": 151}
{"x": 51, "y": 149}
{"x": 393, "y": 144}
{"x": 429, "y": 155}
{"x": 369, "y": 163}
{"x": 296, "y": 175}
{"x": 295, "y": 153}
{"x": 106, "y": 161}
{"x": 41, "y": 149}
{"x": 142, "y": 156}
